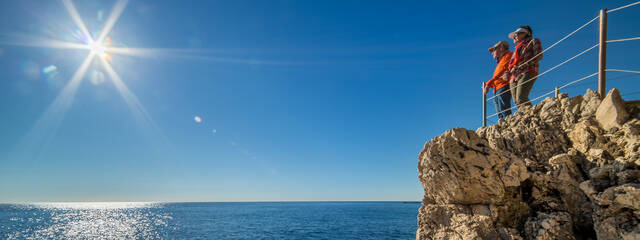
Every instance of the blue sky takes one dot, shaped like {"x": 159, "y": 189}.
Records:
{"x": 309, "y": 100}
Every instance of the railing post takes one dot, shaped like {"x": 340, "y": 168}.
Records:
{"x": 484, "y": 106}
{"x": 602, "y": 54}
{"x": 557, "y": 92}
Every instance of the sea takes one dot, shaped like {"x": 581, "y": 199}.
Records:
{"x": 210, "y": 220}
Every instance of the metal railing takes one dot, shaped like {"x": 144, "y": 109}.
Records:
{"x": 601, "y": 73}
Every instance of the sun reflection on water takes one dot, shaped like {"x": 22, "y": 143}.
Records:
{"x": 92, "y": 205}
{"x": 117, "y": 220}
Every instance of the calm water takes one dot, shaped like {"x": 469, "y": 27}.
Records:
{"x": 288, "y": 220}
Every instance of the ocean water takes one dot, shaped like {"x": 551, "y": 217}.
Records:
{"x": 213, "y": 220}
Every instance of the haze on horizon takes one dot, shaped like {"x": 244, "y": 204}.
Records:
{"x": 258, "y": 100}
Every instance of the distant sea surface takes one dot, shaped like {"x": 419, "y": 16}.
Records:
{"x": 212, "y": 220}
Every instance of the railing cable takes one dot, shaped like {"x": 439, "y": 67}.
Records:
{"x": 623, "y": 40}
{"x": 511, "y": 108}
{"x": 559, "y": 41}
{"x": 629, "y": 94}
{"x": 579, "y": 80}
{"x": 553, "y": 91}
{"x": 581, "y": 84}
{"x": 549, "y": 70}
{"x": 623, "y": 7}
{"x": 541, "y": 90}
{"x": 553, "y": 45}
{"x": 620, "y": 70}
{"x": 623, "y": 76}
{"x": 569, "y": 85}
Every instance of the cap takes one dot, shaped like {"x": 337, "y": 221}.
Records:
{"x": 519, "y": 30}
{"x": 501, "y": 43}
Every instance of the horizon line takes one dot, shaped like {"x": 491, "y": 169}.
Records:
{"x": 282, "y": 201}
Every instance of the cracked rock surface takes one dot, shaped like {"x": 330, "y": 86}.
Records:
{"x": 567, "y": 168}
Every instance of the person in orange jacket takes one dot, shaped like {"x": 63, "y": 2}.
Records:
{"x": 500, "y": 80}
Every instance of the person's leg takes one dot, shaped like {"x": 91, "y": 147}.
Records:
{"x": 503, "y": 102}
{"x": 512, "y": 90}
{"x": 498, "y": 101}
{"x": 506, "y": 102}
{"x": 516, "y": 88}
{"x": 523, "y": 90}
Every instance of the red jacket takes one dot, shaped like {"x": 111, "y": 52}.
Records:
{"x": 523, "y": 61}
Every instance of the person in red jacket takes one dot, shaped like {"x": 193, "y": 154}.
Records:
{"x": 500, "y": 80}
{"x": 524, "y": 66}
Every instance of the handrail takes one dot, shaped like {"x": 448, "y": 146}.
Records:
{"x": 623, "y": 7}
{"x": 620, "y": 70}
{"x": 623, "y": 40}
{"x": 551, "y": 69}
{"x": 602, "y": 67}
{"x": 550, "y": 92}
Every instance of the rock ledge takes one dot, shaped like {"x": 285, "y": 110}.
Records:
{"x": 567, "y": 168}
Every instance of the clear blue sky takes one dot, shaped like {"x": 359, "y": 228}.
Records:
{"x": 310, "y": 100}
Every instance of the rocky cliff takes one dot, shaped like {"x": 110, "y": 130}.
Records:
{"x": 567, "y": 168}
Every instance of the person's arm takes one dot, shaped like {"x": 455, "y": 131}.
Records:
{"x": 510, "y": 73}
{"x": 537, "y": 49}
{"x": 503, "y": 65}
{"x": 487, "y": 85}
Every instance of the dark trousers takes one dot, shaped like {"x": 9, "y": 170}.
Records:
{"x": 503, "y": 102}
{"x": 521, "y": 88}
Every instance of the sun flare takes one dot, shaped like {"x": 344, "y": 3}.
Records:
{"x": 98, "y": 49}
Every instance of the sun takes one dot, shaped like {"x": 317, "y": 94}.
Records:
{"x": 98, "y": 49}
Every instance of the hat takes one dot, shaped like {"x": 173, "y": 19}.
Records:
{"x": 519, "y": 30}
{"x": 499, "y": 44}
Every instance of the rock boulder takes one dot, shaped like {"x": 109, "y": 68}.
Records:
{"x": 567, "y": 168}
{"x": 612, "y": 113}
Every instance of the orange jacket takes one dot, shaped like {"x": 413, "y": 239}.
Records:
{"x": 499, "y": 79}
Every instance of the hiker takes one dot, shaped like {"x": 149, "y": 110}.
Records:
{"x": 500, "y": 81}
{"x": 524, "y": 66}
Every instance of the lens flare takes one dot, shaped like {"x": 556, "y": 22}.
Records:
{"x": 73, "y": 12}
{"x": 214, "y": 131}
{"x": 197, "y": 119}
{"x": 98, "y": 49}
{"x": 78, "y": 35}
{"x": 50, "y": 72}
{"x": 49, "y": 69}
{"x": 31, "y": 69}
{"x": 97, "y": 77}
{"x": 100, "y": 15}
